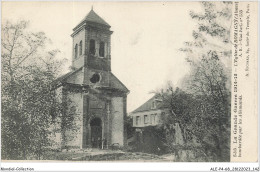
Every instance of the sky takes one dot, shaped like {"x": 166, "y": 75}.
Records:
{"x": 144, "y": 45}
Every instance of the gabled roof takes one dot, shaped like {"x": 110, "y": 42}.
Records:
{"x": 110, "y": 81}
{"x": 147, "y": 106}
{"x": 116, "y": 83}
{"x": 65, "y": 76}
{"x": 59, "y": 80}
{"x": 93, "y": 17}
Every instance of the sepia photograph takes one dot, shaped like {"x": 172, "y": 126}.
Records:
{"x": 120, "y": 81}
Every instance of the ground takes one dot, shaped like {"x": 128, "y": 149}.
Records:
{"x": 105, "y": 155}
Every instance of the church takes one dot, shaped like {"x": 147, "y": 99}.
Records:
{"x": 99, "y": 98}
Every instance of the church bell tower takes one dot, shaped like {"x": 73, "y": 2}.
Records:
{"x": 91, "y": 43}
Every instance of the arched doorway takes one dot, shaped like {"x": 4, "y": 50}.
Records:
{"x": 96, "y": 133}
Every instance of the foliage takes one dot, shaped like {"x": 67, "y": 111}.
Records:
{"x": 203, "y": 109}
{"x": 178, "y": 124}
{"x": 213, "y": 33}
{"x": 129, "y": 126}
{"x": 151, "y": 140}
{"x": 29, "y": 106}
{"x": 210, "y": 78}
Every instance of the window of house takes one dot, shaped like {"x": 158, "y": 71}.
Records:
{"x": 102, "y": 49}
{"x": 146, "y": 120}
{"x": 92, "y": 47}
{"x": 76, "y": 51}
{"x": 155, "y": 118}
{"x": 152, "y": 118}
{"x": 137, "y": 120}
{"x": 154, "y": 105}
{"x": 80, "y": 48}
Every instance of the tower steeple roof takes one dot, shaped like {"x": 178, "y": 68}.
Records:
{"x": 94, "y": 18}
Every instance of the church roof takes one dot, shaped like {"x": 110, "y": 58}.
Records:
{"x": 116, "y": 83}
{"x": 59, "y": 80}
{"x": 148, "y": 105}
{"x": 110, "y": 81}
{"x": 93, "y": 17}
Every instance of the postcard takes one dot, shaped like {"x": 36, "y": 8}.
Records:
{"x": 116, "y": 82}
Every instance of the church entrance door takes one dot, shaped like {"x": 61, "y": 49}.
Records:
{"x": 96, "y": 133}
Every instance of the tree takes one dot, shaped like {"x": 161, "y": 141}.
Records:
{"x": 210, "y": 57}
{"x": 128, "y": 122}
{"x": 29, "y": 106}
{"x": 213, "y": 33}
{"x": 178, "y": 124}
{"x": 202, "y": 107}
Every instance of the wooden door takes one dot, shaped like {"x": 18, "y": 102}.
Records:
{"x": 96, "y": 133}
{"x": 96, "y": 136}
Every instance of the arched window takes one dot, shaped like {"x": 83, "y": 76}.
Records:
{"x": 76, "y": 51}
{"x": 102, "y": 49}
{"x": 80, "y": 48}
{"x": 92, "y": 48}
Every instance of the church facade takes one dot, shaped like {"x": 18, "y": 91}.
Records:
{"x": 95, "y": 94}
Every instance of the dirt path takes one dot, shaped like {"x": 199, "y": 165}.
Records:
{"x": 106, "y": 155}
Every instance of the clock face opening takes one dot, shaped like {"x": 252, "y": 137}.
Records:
{"x": 95, "y": 78}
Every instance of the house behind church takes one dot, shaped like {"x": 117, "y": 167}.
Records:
{"x": 148, "y": 121}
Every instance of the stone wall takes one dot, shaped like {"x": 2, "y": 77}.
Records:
{"x": 75, "y": 107}
{"x": 95, "y": 61}
{"x": 117, "y": 113}
{"x": 77, "y": 78}
{"x": 85, "y": 107}
{"x": 79, "y": 61}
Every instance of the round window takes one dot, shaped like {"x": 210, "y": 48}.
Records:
{"x": 95, "y": 78}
